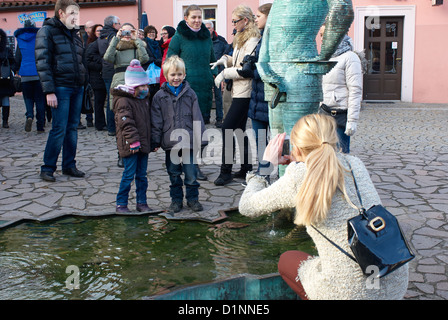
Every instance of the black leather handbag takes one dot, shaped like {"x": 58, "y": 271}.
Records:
{"x": 376, "y": 240}
{"x": 339, "y": 115}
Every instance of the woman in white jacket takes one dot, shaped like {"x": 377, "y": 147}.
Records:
{"x": 246, "y": 39}
{"x": 342, "y": 90}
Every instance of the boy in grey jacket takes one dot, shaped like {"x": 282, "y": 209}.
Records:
{"x": 177, "y": 127}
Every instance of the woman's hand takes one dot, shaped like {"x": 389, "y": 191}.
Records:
{"x": 222, "y": 61}
{"x": 273, "y": 151}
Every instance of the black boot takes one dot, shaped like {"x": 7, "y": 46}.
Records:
{"x": 225, "y": 177}
{"x": 245, "y": 168}
{"x": 5, "y": 116}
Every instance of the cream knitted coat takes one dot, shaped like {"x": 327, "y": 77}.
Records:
{"x": 331, "y": 275}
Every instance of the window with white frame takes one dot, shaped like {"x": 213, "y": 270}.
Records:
{"x": 213, "y": 10}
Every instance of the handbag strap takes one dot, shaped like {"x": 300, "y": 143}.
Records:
{"x": 361, "y": 211}
{"x": 334, "y": 244}
{"x": 356, "y": 185}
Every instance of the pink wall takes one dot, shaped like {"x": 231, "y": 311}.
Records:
{"x": 431, "y": 47}
{"x": 159, "y": 15}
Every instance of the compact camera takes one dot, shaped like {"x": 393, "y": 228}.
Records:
{"x": 126, "y": 33}
{"x": 286, "y": 147}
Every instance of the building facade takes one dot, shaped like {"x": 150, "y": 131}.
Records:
{"x": 404, "y": 40}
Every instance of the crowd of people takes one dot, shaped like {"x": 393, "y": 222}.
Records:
{"x": 57, "y": 63}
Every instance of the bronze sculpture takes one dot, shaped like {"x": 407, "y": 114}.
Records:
{"x": 289, "y": 63}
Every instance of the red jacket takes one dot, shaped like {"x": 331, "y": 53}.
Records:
{"x": 165, "y": 46}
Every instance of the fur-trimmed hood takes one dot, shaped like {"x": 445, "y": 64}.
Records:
{"x": 185, "y": 31}
{"x": 121, "y": 93}
{"x": 125, "y": 45}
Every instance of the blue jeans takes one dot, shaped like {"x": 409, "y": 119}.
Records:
{"x": 32, "y": 94}
{"x": 344, "y": 140}
{"x": 218, "y": 103}
{"x": 175, "y": 167}
{"x": 64, "y": 132}
{"x": 261, "y": 137}
{"x": 110, "y": 116}
{"x": 135, "y": 167}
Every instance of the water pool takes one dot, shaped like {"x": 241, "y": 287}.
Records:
{"x": 131, "y": 257}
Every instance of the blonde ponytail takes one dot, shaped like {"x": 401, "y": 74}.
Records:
{"x": 316, "y": 138}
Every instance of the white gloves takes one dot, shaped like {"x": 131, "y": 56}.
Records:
{"x": 219, "y": 78}
{"x": 222, "y": 61}
{"x": 350, "y": 128}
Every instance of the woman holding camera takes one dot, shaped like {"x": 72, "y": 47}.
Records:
{"x": 123, "y": 48}
{"x": 244, "y": 44}
{"x": 319, "y": 185}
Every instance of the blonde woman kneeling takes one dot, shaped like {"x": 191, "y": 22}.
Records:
{"x": 317, "y": 183}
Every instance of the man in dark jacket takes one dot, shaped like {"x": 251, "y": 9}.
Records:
{"x": 221, "y": 47}
{"x": 111, "y": 26}
{"x": 59, "y": 62}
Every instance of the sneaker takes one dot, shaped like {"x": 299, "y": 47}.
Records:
{"x": 175, "y": 206}
{"x": 143, "y": 207}
{"x": 218, "y": 124}
{"x": 28, "y": 124}
{"x": 122, "y": 209}
{"x": 81, "y": 126}
{"x": 195, "y": 205}
{"x": 90, "y": 123}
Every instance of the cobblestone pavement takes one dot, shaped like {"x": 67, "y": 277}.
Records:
{"x": 404, "y": 146}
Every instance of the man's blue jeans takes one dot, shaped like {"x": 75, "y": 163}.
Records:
{"x": 175, "y": 167}
{"x": 135, "y": 167}
{"x": 64, "y": 132}
{"x": 32, "y": 94}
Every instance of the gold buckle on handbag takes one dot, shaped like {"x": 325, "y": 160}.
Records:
{"x": 380, "y": 227}
{"x": 334, "y": 113}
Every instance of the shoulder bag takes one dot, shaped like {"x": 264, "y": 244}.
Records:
{"x": 376, "y": 240}
{"x": 5, "y": 70}
{"x": 338, "y": 114}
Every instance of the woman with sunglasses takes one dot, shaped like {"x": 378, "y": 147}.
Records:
{"x": 244, "y": 44}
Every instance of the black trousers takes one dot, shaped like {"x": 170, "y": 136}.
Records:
{"x": 236, "y": 118}
{"x": 100, "y": 96}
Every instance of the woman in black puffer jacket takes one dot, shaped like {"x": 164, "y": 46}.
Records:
{"x": 258, "y": 107}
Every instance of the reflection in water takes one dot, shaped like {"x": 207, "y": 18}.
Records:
{"x": 133, "y": 257}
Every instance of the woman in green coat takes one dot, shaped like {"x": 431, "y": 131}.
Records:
{"x": 192, "y": 42}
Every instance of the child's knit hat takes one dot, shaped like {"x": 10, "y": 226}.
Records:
{"x": 135, "y": 75}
